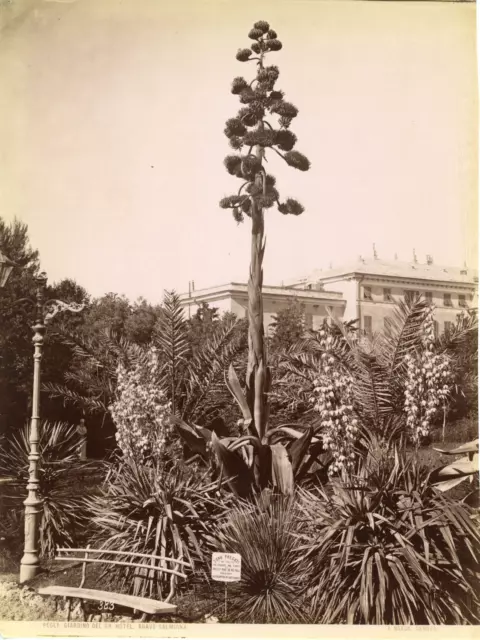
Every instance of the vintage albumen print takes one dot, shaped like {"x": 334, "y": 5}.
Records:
{"x": 238, "y": 318}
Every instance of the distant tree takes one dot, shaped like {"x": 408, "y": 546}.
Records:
{"x": 251, "y": 134}
{"x": 15, "y": 325}
{"x": 288, "y": 326}
{"x": 16, "y": 319}
{"x": 109, "y": 312}
{"x": 58, "y": 357}
{"x": 140, "y": 324}
{"x": 202, "y": 324}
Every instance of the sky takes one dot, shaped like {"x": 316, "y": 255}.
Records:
{"x": 112, "y": 145}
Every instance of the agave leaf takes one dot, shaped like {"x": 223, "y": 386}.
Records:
{"x": 468, "y": 447}
{"x": 262, "y": 466}
{"x": 473, "y": 499}
{"x": 259, "y": 402}
{"x": 195, "y": 441}
{"x": 238, "y": 474}
{"x": 299, "y": 449}
{"x": 294, "y": 433}
{"x": 206, "y": 433}
{"x": 282, "y": 472}
{"x": 235, "y": 389}
{"x": 242, "y": 442}
{"x": 463, "y": 466}
{"x": 449, "y": 484}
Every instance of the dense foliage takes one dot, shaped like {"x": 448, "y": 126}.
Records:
{"x": 64, "y": 516}
{"x": 274, "y": 574}
{"x": 163, "y": 510}
{"x": 387, "y": 548}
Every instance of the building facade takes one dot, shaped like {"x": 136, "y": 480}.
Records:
{"x": 371, "y": 287}
{"x": 366, "y": 290}
{"x": 233, "y": 297}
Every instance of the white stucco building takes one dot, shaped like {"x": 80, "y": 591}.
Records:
{"x": 233, "y": 297}
{"x": 370, "y": 288}
{"x": 366, "y": 289}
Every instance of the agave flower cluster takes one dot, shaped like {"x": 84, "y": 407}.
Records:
{"x": 429, "y": 381}
{"x": 333, "y": 400}
{"x": 250, "y": 132}
{"x": 141, "y": 411}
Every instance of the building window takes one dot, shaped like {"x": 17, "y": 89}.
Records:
{"x": 462, "y": 300}
{"x": 387, "y": 324}
{"x": 410, "y": 295}
{"x": 367, "y": 293}
{"x": 367, "y": 324}
{"x": 387, "y": 295}
{"x": 435, "y": 328}
{"x": 308, "y": 321}
{"x": 448, "y": 326}
{"x": 447, "y": 300}
{"x": 429, "y": 297}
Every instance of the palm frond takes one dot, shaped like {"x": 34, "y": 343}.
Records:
{"x": 171, "y": 336}
{"x": 455, "y": 338}
{"x": 403, "y": 334}
{"x": 204, "y": 382}
{"x": 88, "y": 403}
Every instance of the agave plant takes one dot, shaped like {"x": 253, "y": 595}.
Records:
{"x": 283, "y": 457}
{"x": 256, "y": 460}
{"x": 449, "y": 476}
{"x": 157, "y": 510}
{"x": 274, "y": 572}
{"x": 65, "y": 515}
{"x": 386, "y": 547}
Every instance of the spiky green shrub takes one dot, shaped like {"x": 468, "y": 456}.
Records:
{"x": 156, "y": 510}
{"x": 65, "y": 514}
{"x": 388, "y": 548}
{"x": 274, "y": 577}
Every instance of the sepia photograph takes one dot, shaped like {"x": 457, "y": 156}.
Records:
{"x": 238, "y": 318}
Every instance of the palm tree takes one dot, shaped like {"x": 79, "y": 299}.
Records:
{"x": 193, "y": 382}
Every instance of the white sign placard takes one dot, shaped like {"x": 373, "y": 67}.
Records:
{"x": 226, "y": 567}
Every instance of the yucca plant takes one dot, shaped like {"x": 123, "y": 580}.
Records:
{"x": 274, "y": 575}
{"x": 385, "y": 547}
{"x": 377, "y": 365}
{"x": 395, "y": 379}
{"x": 158, "y": 510}
{"x": 193, "y": 382}
{"x": 65, "y": 516}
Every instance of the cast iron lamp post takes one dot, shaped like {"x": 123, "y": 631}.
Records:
{"x": 45, "y": 311}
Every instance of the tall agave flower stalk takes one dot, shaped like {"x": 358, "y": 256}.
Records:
{"x": 250, "y": 133}
{"x": 261, "y": 457}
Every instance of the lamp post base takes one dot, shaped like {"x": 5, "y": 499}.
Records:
{"x": 28, "y": 572}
